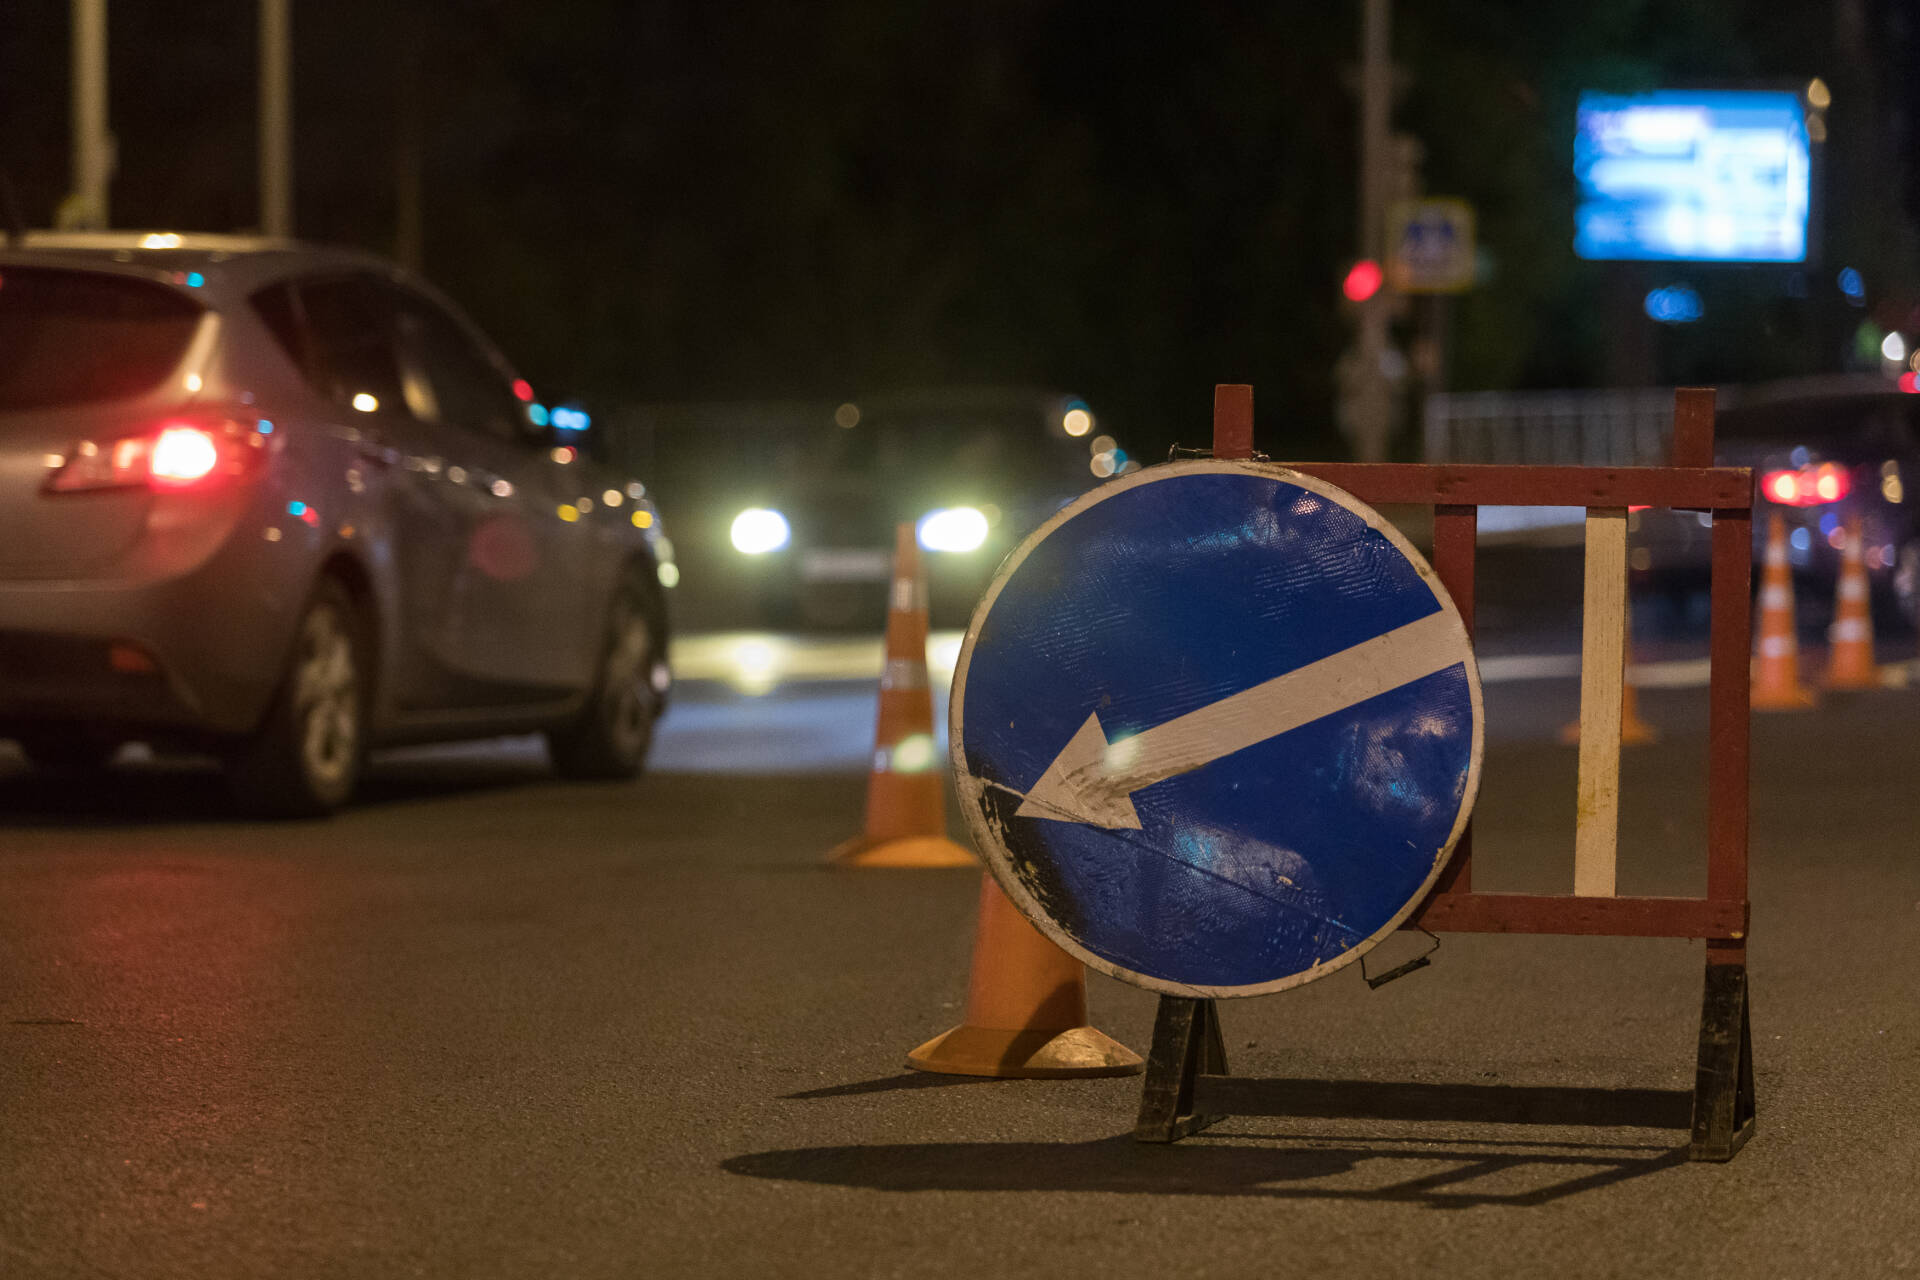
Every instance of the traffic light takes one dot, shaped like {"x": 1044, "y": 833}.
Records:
{"x": 1363, "y": 280}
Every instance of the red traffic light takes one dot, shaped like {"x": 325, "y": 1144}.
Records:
{"x": 1363, "y": 280}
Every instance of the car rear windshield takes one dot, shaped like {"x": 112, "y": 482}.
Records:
{"x": 81, "y": 337}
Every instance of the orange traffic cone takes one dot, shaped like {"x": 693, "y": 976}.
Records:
{"x": 906, "y": 824}
{"x": 1850, "y": 638}
{"x": 1776, "y": 667}
{"x": 1026, "y": 1008}
{"x": 1634, "y": 731}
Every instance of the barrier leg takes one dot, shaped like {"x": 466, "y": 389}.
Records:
{"x": 1186, "y": 1045}
{"x": 1723, "y": 1095}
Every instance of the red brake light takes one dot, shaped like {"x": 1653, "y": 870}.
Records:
{"x": 176, "y": 455}
{"x": 1782, "y": 486}
{"x": 181, "y": 455}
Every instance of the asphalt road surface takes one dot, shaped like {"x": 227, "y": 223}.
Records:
{"x": 487, "y": 1024}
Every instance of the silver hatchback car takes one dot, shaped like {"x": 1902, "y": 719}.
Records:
{"x": 284, "y": 503}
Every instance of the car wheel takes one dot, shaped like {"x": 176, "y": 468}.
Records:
{"x": 305, "y": 758}
{"x": 611, "y": 736}
{"x": 68, "y": 750}
{"x": 1906, "y": 582}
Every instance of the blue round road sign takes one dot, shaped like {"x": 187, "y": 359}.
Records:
{"x": 1216, "y": 727}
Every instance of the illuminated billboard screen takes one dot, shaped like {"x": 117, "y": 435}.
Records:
{"x": 1692, "y": 176}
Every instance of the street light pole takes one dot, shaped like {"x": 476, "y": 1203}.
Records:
{"x": 276, "y": 119}
{"x": 86, "y": 205}
{"x": 1366, "y": 398}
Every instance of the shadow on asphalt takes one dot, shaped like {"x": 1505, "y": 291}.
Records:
{"x": 1451, "y": 1173}
{"x": 1458, "y": 1103}
{"x": 887, "y": 1084}
{"x": 1439, "y": 1175}
{"x": 184, "y": 792}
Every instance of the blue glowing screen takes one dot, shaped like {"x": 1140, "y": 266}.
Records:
{"x": 1700, "y": 176}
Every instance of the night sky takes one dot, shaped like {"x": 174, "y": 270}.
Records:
{"x": 647, "y": 201}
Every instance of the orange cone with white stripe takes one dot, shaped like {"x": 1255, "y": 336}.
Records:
{"x": 1776, "y": 663}
{"x": 1026, "y": 1008}
{"x": 906, "y": 822}
{"x": 1635, "y": 731}
{"x": 1850, "y": 637}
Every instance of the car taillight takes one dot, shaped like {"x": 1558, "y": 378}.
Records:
{"x": 182, "y": 455}
{"x": 175, "y": 455}
{"x": 1807, "y": 487}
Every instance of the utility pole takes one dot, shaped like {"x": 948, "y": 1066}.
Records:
{"x": 85, "y": 207}
{"x": 1366, "y": 397}
{"x": 276, "y": 119}
{"x": 409, "y": 154}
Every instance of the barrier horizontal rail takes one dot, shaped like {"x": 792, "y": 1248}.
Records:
{"x": 1493, "y": 485}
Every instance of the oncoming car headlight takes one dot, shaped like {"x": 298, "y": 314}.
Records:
{"x": 953, "y": 529}
{"x": 758, "y": 530}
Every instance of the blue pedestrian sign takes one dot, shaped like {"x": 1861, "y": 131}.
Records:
{"x": 1216, "y": 727}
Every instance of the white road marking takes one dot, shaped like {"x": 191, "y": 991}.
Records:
{"x": 765, "y": 659}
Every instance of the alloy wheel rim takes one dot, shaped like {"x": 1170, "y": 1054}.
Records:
{"x": 629, "y": 684}
{"x": 327, "y": 699}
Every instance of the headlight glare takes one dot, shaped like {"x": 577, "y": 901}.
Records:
{"x": 953, "y": 529}
{"x": 758, "y": 530}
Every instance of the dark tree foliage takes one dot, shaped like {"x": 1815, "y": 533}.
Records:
{"x": 653, "y": 201}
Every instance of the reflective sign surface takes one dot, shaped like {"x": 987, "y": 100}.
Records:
{"x": 1216, "y": 727}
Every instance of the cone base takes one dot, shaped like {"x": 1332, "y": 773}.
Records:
{"x": 1853, "y": 680}
{"x": 1796, "y": 699}
{"x": 1026, "y": 1055}
{"x": 902, "y": 851}
{"x": 1633, "y": 733}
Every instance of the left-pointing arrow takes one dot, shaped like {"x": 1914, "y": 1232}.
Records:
{"x": 1092, "y": 780}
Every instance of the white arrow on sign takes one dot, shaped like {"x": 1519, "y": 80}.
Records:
{"x": 1092, "y": 781}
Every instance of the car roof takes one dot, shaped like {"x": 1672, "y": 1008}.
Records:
{"x": 249, "y": 259}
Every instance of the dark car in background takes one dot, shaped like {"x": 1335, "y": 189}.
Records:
{"x": 1823, "y": 452}
{"x": 282, "y": 503}
{"x": 784, "y": 514}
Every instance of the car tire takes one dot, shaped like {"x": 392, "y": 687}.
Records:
{"x": 1905, "y": 582}
{"x": 68, "y": 751}
{"x": 610, "y": 737}
{"x": 305, "y": 758}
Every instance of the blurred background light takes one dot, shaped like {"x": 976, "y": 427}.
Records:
{"x": 1363, "y": 280}
{"x": 758, "y": 530}
{"x": 953, "y": 529}
{"x": 1675, "y": 304}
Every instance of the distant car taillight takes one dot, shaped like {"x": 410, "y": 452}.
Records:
{"x": 1808, "y": 487}
{"x": 175, "y": 455}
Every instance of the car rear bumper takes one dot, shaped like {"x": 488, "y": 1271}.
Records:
{"x": 197, "y": 652}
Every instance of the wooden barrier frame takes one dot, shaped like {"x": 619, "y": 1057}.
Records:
{"x": 1187, "y": 1044}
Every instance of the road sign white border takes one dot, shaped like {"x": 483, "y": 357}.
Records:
{"x": 970, "y": 788}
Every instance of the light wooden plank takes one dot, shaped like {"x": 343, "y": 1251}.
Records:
{"x": 1602, "y": 673}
